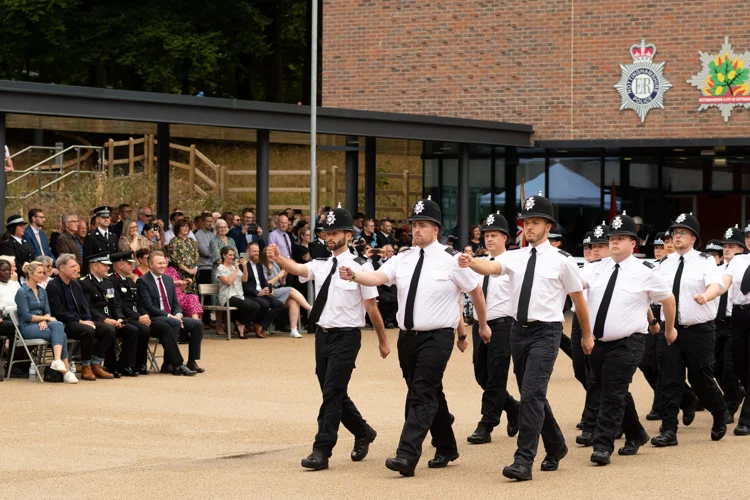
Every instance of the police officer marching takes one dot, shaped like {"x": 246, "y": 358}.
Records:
{"x": 338, "y": 313}
{"x": 99, "y": 239}
{"x": 696, "y": 282}
{"x": 540, "y": 278}
{"x": 429, "y": 283}
{"x": 620, "y": 291}
{"x": 492, "y": 360}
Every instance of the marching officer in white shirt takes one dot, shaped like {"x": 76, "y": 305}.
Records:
{"x": 620, "y": 291}
{"x": 492, "y": 360}
{"x": 737, "y": 277}
{"x": 429, "y": 283}
{"x": 339, "y": 313}
{"x": 733, "y": 244}
{"x": 695, "y": 282}
{"x": 580, "y": 362}
{"x": 541, "y": 276}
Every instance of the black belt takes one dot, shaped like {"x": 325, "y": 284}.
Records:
{"x": 499, "y": 321}
{"x": 422, "y": 332}
{"x": 709, "y": 323}
{"x": 337, "y": 330}
{"x": 740, "y": 307}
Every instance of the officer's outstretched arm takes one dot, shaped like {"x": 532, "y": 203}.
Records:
{"x": 727, "y": 280}
{"x": 372, "y": 278}
{"x": 285, "y": 263}
{"x": 481, "y": 266}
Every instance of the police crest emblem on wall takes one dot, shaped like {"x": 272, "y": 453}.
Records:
{"x": 642, "y": 85}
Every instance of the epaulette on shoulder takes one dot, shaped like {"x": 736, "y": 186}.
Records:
{"x": 595, "y": 261}
{"x": 321, "y": 258}
{"x": 704, "y": 255}
{"x": 563, "y": 252}
{"x": 648, "y": 264}
{"x": 360, "y": 260}
{"x": 663, "y": 259}
{"x": 452, "y": 251}
{"x": 87, "y": 277}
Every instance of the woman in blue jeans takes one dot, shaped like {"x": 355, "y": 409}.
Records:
{"x": 36, "y": 321}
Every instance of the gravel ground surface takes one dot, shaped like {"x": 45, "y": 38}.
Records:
{"x": 241, "y": 429}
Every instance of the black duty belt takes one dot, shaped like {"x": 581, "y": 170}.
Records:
{"x": 688, "y": 327}
{"x": 499, "y": 321}
{"x": 422, "y": 332}
{"x": 337, "y": 330}
{"x": 740, "y": 307}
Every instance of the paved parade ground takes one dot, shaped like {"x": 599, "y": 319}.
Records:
{"x": 241, "y": 429}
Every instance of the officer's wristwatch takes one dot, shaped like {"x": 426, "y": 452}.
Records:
{"x": 462, "y": 337}
{"x": 654, "y": 322}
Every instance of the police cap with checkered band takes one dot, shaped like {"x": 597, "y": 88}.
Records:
{"x": 496, "y": 222}
{"x": 622, "y": 225}
{"x": 337, "y": 219}
{"x": 538, "y": 206}
{"x": 599, "y": 235}
{"x": 426, "y": 210}
{"x": 689, "y": 222}
{"x": 586, "y": 239}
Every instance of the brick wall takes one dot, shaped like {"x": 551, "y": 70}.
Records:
{"x": 548, "y": 63}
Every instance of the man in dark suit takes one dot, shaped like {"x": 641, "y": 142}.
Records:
{"x": 16, "y": 244}
{"x": 34, "y": 233}
{"x": 156, "y": 295}
{"x": 257, "y": 289}
{"x": 318, "y": 247}
{"x": 68, "y": 241}
{"x": 100, "y": 239}
{"x": 384, "y": 237}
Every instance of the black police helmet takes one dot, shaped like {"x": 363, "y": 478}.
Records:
{"x": 733, "y": 235}
{"x": 622, "y": 225}
{"x": 338, "y": 219}
{"x": 689, "y": 222}
{"x": 538, "y": 206}
{"x": 600, "y": 234}
{"x": 427, "y": 210}
{"x": 496, "y": 222}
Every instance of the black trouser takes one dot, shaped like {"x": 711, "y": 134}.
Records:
{"x": 269, "y": 309}
{"x": 335, "y": 355}
{"x": 688, "y": 398}
{"x": 534, "y": 349}
{"x": 741, "y": 355}
{"x": 613, "y": 365}
{"x": 193, "y": 328}
{"x": 650, "y": 367}
{"x": 204, "y": 278}
{"x": 580, "y": 361}
{"x": 247, "y": 310}
{"x": 387, "y": 305}
{"x": 167, "y": 330}
{"x": 491, "y": 364}
{"x": 129, "y": 336}
{"x": 724, "y": 369}
{"x": 144, "y": 334}
{"x": 566, "y": 345}
{"x": 93, "y": 341}
{"x": 694, "y": 350}
{"x": 423, "y": 358}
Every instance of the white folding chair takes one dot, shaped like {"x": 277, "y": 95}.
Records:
{"x": 213, "y": 289}
{"x": 39, "y": 345}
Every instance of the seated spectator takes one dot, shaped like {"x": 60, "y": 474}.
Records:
{"x": 184, "y": 255}
{"x": 290, "y": 297}
{"x": 14, "y": 243}
{"x": 12, "y": 261}
{"x": 153, "y": 233}
{"x": 221, "y": 240}
{"x": 141, "y": 257}
{"x": 8, "y": 289}
{"x": 130, "y": 239}
{"x": 189, "y": 302}
{"x": 231, "y": 278}
{"x": 48, "y": 269}
{"x": 258, "y": 290}
{"x": 36, "y": 322}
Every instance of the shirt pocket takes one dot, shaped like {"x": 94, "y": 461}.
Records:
{"x": 694, "y": 278}
{"x": 550, "y": 274}
{"x": 345, "y": 285}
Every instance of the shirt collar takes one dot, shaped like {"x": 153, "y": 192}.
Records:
{"x": 433, "y": 248}
{"x": 690, "y": 255}
{"x": 36, "y": 231}
{"x": 103, "y": 232}
{"x": 540, "y": 249}
{"x": 17, "y": 238}
{"x": 343, "y": 257}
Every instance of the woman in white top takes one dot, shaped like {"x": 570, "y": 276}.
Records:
{"x": 230, "y": 279}
{"x": 8, "y": 289}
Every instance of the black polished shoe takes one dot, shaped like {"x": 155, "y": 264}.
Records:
{"x": 512, "y": 428}
{"x": 142, "y": 370}
{"x": 441, "y": 460}
{"x": 579, "y": 425}
{"x": 452, "y": 418}
{"x": 517, "y": 472}
{"x": 129, "y": 372}
{"x": 400, "y": 465}
{"x": 482, "y": 435}
{"x": 719, "y": 429}
{"x": 600, "y": 457}
{"x": 653, "y": 415}
{"x": 193, "y": 366}
{"x": 730, "y": 418}
{"x": 315, "y": 461}
{"x": 362, "y": 445}
{"x": 551, "y": 463}
{"x": 665, "y": 438}
{"x": 688, "y": 415}
{"x": 166, "y": 368}
{"x": 742, "y": 430}
{"x": 585, "y": 439}
{"x": 620, "y": 433}
{"x": 117, "y": 374}
{"x": 183, "y": 370}
{"x": 632, "y": 447}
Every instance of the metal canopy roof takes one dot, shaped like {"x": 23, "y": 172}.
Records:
{"x": 108, "y": 104}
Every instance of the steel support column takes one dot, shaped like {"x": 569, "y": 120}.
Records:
{"x": 162, "y": 172}
{"x": 370, "y": 168}
{"x": 463, "y": 194}
{"x": 261, "y": 178}
{"x": 352, "y": 174}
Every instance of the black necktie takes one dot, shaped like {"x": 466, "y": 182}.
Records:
{"x": 486, "y": 282}
{"x": 676, "y": 288}
{"x": 528, "y": 280}
{"x": 320, "y": 300}
{"x": 745, "y": 285}
{"x": 412, "y": 295}
{"x": 722, "y": 314}
{"x": 601, "y": 314}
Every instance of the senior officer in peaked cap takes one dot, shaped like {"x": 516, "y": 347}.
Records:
{"x": 696, "y": 282}
{"x": 17, "y": 245}
{"x": 737, "y": 278}
{"x": 492, "y": 360}
{"x": 540, "y": 279}
{"x": 338, "y": 314}
{"x": 100, "y": 239}
{"x": 429, "y": 283}
{"x": 620, "y": 291}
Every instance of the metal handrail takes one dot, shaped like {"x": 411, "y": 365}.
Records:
{"x": 36, "y": 168}
{"x": 29, "y": 148}
{"x": 56, "y": 180}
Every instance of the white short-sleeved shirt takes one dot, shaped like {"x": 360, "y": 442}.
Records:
{"x": 344, "y": 307}
{"x": 555, "y": 276}
{"x": 736, "y": 270}
{"x": 699, "y": 272}
{"x": 638, "y": 284}
{"x": 441, "y": 283}
{"x": 498, "y": 295}
{"x": 723, "y": 270}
